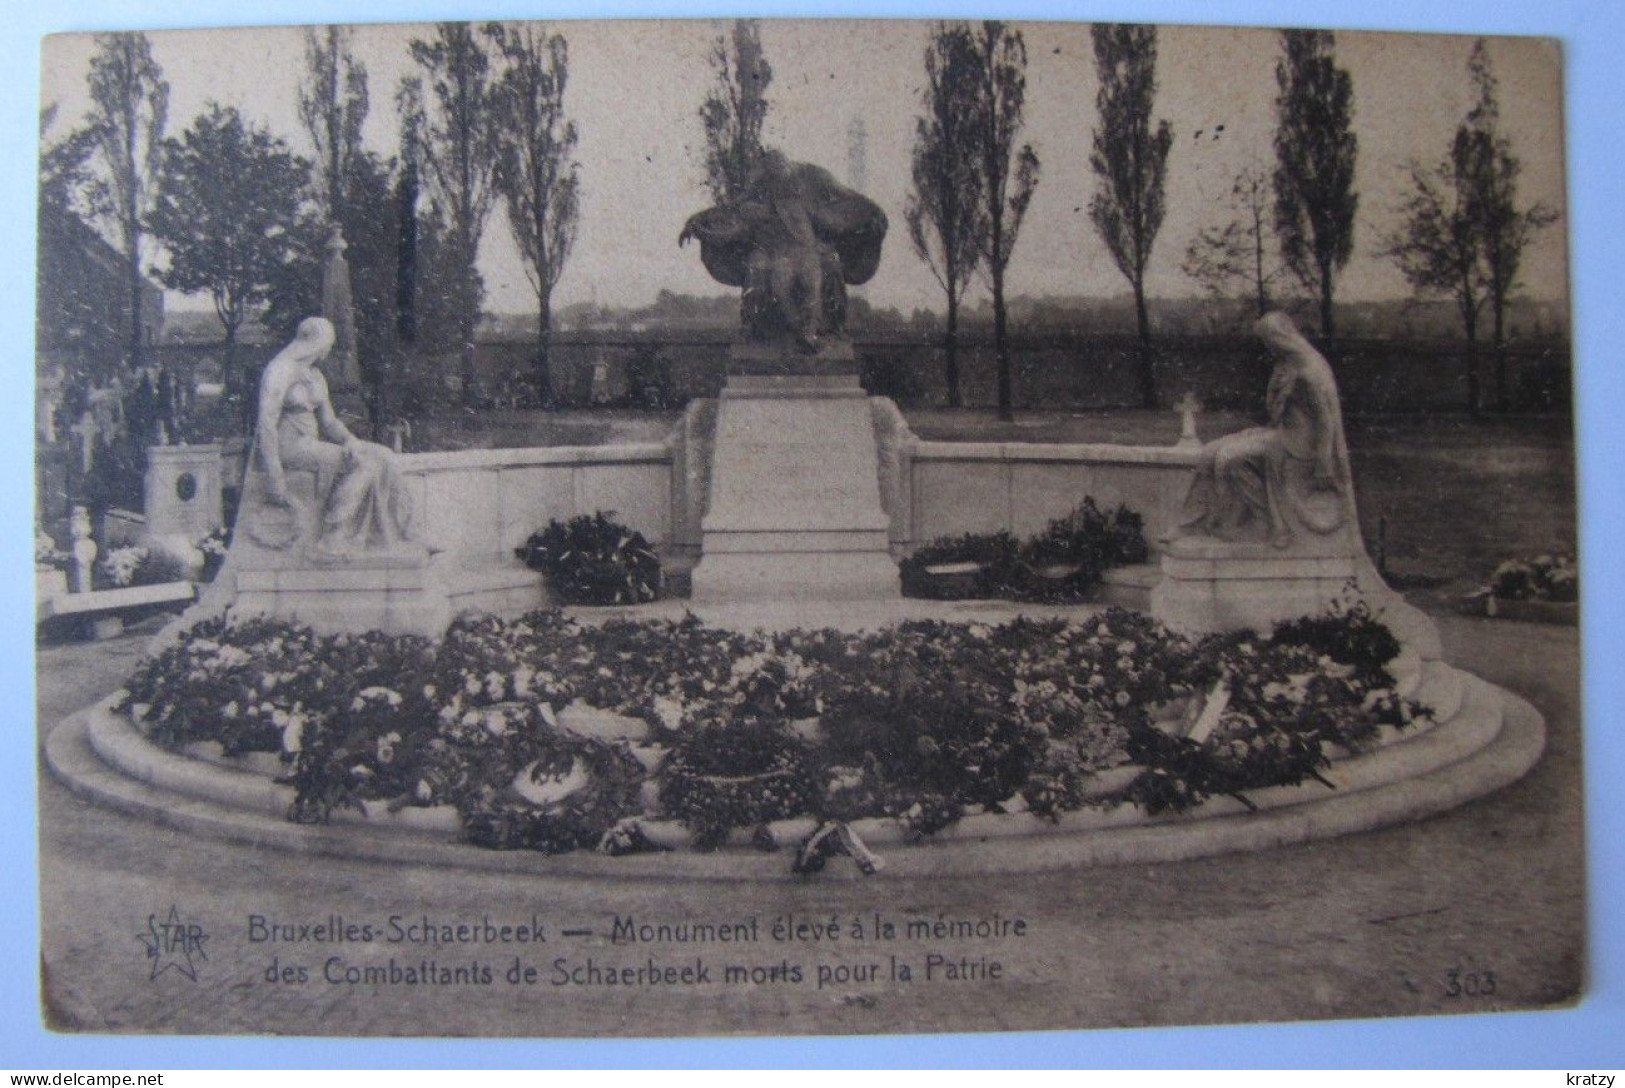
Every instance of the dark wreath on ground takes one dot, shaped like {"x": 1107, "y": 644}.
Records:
{"x": 920, "y": 723}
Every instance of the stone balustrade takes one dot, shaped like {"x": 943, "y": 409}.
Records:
{"x": 481, "y": 504}
{"x": 980, "y": 487}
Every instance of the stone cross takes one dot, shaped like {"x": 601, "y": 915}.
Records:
{"x": 1187, "y": 406}
{"x": 84, "y": 549}
{"x": 399, "y": 431}
{"x": 86, "y": 431}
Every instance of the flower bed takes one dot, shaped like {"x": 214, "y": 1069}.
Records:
{"x": 920, "y": 724}
{"x": 137, "y": 565}
{"x": 1545, "y": 589}
{"x": 1061, "y": 564}
{"x": 1543, "y": 578}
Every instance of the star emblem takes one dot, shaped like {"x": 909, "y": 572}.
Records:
{"x": 172, "y": 943}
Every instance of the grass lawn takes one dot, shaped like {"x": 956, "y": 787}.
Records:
{"x": 1459, "y": 495}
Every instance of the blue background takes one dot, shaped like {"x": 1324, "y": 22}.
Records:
{"x": 1589, "y": 1036}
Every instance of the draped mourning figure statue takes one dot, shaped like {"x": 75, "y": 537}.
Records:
{"x": 793, "y": 241}
{"x": 1287, "y": 482}
{"x": 312, "y": 486}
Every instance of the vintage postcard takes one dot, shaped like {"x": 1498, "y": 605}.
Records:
{"x": 765, "y": 527}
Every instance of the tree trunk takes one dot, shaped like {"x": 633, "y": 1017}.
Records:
{"x": 386, "y": 398}
{"x": 468, "y": 324}
{"x": 1001, "y": 349}
{"x": 470, "y": 381}
{"x": 950, "y": 347}
{"x": 1328, "y": 328}
{"x": 230, "y": 377}
{"x": 406, "y": 259}
{"x": 542, "y": 372}
{"x": 137, "y": 345}
{"x": 1148, "y": 374}
{"x": 1258, "y": 269}
{"x": 1503, "y": 395}
{"x": 373, "y": 379}
{"x": 1473, "y": 393}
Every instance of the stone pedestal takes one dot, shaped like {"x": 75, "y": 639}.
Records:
{"x": 1213, "y": 585}
{"x": 780, "y": 358}
{"x": 399, "y": 597}
{"x": 795, "y": 510}
{"x": 182, "y": 491}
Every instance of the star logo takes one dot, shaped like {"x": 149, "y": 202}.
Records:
{"x": 172, "y": 943}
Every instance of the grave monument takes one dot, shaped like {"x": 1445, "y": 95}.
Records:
{"x": 182, "y": 491}
{"x": 794, "y": 506}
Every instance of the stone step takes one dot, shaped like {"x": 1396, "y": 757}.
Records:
{"x": 1497, "y": 740}
{"x": 724, "y": 577}
{"x": 1441, "y": 690}
{"x": 504, "y": 590}
{"x": 97, "y": 601}
{"x": 792, "y": 386}
{"x": 772, "y": 541}
{"x": 1130, "y": 586}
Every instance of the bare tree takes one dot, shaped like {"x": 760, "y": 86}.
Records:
{"x": 1009, "y": 176}
{"x": 1130, "y": 158}
{"x": 457, "y": 145}
{"x": 1504, "y": 228}
{"x": 1438, "y": 245}
{"x": 1315, "y": 151}
{"x": 945, "y": 212}
{"x": 1238, "y": 260}
{"x": 733, "y": 111}
{"x": 130, "y": 105}
{"x": 1462, "y": 233}
{"x": 534, "y": 173}
{"x": 333, "y": 107}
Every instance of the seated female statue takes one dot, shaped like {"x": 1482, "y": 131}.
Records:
{"x": 363, "y": 506}
{"x": 1288, "y": 481}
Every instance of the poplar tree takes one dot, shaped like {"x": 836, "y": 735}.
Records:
{"x": 130, "y": 104}
{"x": 1009, "y": 174}
{"x": 732, "y": 113}
{"x": 1130, "y": 159}
{"x": 457, "y": 150}
{"x": 1315, "y": 152}
{"x": 945, "y": 213}
{"x": 534, "y": 172}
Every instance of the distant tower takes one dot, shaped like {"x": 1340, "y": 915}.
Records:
{"x": 857, "y": 152}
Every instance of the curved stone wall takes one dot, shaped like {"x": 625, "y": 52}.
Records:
{"x": 479, "y": 505}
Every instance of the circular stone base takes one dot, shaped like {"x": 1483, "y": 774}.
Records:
{"x": 1490, "y": 740}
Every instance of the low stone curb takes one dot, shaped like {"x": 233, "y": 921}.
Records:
{"x": 122, "y": 746}
{"x": 1494, "y": 740}
{"x": 1562, "y": 613}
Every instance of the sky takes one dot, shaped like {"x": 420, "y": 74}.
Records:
{"x": 635, "y": 89}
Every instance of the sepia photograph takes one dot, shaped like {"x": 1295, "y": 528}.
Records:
{"x": 802, "y": 527}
